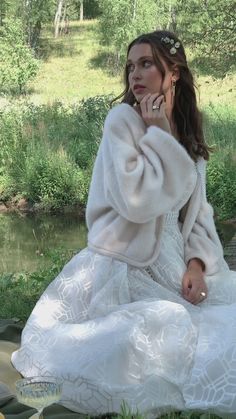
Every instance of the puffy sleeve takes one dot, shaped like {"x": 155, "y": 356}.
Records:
{"x": 203, "y": 241}
{"x": 147, "y": 172}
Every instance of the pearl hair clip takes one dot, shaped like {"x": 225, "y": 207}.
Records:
{"x": 173, "y": 45}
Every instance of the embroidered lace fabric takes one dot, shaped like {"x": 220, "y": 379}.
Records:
{"x": 118, "y": 333}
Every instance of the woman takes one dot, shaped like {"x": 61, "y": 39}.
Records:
{"x": 145, "y": 314}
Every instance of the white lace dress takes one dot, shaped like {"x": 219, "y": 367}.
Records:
{"x": 116, "y": 333}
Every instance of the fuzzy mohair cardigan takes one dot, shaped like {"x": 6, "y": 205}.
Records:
{"x": 140, "y": 174}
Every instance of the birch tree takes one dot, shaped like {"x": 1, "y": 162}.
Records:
{"x": 81, "y": 15}
{"x": 122, "y": 20}
{"x": 58, "y": 16}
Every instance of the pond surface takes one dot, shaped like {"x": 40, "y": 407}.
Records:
{"x": 25, "y": 240}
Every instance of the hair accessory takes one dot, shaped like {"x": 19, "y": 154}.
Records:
{"x": 173, "y": 44}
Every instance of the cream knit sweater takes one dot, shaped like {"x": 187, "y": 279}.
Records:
{"x": 139, "y": 175}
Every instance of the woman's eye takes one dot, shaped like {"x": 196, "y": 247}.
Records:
{"x": 147, "y": 63}
{"x": 130, "y": 67}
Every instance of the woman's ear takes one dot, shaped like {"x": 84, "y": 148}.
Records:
{"x": 175, "y": 73}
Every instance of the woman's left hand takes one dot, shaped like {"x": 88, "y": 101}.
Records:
{"x": 153, "y": 111}
{"x": 193, "y": 285}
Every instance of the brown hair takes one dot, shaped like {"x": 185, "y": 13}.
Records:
{"x": 186, "y": 115}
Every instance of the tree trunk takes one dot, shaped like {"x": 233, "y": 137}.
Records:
{"x": 35, "y": 34}
{"x": 2, "y": 11}
{"x": 57, "y": 19}
{"x": 81, "y": 10}
{"x": 134, "y": 9}
{"x": 172, "y": 23}
{"x": 64, "y": 21}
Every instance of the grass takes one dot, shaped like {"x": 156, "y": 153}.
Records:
{"x": 76, "y": 66}
{"x": 69, "y": 68}
{"x": 22, "y": 290}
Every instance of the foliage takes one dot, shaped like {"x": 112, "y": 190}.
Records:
{"x": 17, "y": 63}
{"x": 32, "y": 14}
{"x": 122, "y": 20}
{"x": 74, "y": 130}
{"x": 44, "y": 161}
{"x": 35, "y": 14}
{"x": 22, "y": 290}
{"x": 222, "y": 185}
{"x": 47, "y": 153}
{"x": 91, "y": 9}
{"x": 52, "y": 180}
{"x": 210, "y": 26}
{"x": 207, "y": 26}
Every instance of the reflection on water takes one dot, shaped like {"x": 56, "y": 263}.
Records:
{"x": 24, "y": 240}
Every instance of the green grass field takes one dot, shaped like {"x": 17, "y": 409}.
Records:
{"x": 72, "y": 67}
{"x": 75, "y": 66}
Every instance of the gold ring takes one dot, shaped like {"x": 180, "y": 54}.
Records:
{"x": 155, "y": 107}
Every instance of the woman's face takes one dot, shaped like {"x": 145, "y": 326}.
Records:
{"x": 144, "y": 76}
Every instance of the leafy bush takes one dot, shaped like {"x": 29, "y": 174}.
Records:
{"x": 47, "y": 152}
{"x": 221, "y": 187}
{"x": 53, "y": 180}
{"x": 122, "y": 20}
{"x": 17, "y": 63}
{"x": 221, "y": 172}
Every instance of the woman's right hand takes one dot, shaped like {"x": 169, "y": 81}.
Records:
{"x": 156, "y": 116}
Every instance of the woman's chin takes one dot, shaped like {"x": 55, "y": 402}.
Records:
{"x": 139, "y": 97}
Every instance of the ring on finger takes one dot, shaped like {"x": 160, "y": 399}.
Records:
{"x": 155, "y": 107}
{"x": 203, "y": 294}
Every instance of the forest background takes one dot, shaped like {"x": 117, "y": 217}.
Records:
{"x": 61, "y": 62}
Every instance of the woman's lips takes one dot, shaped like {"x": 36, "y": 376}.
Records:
{"x": 138, "y": 88}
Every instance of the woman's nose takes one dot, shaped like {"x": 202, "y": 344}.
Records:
{"x": 136, "y": 73}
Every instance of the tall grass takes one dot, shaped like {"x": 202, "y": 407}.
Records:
{"x": 220, "y": 128}
{"x": 47, "y": 153}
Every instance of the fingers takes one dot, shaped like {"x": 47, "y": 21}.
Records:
{"x": 148, "y": 102}
{"x": 197, "y": 295}
{"x": 186, "y": 286}
{"x": 159, "y": 102}
{"x": 153, "y": 111}
{"x": 194, "y": 289}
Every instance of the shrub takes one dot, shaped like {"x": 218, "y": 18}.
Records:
{"x": 123, "y": 20}
{"x": 47, "y": 152}
{"x": 221, "y": 186}
{"x": 53, "y": 180}
{"x": 17, "y": 63}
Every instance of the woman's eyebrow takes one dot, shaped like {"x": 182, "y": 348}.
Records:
{"x": 140, "y": 58}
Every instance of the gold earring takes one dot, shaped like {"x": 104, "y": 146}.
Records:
{"x": 173, "y": 84}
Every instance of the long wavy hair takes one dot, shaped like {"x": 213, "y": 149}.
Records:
{"x": 186, "y": 114}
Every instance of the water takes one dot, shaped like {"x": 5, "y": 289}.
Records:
{"x": 26, "y": 239}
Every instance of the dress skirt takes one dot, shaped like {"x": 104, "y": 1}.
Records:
{"x": 120, "y": 335}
